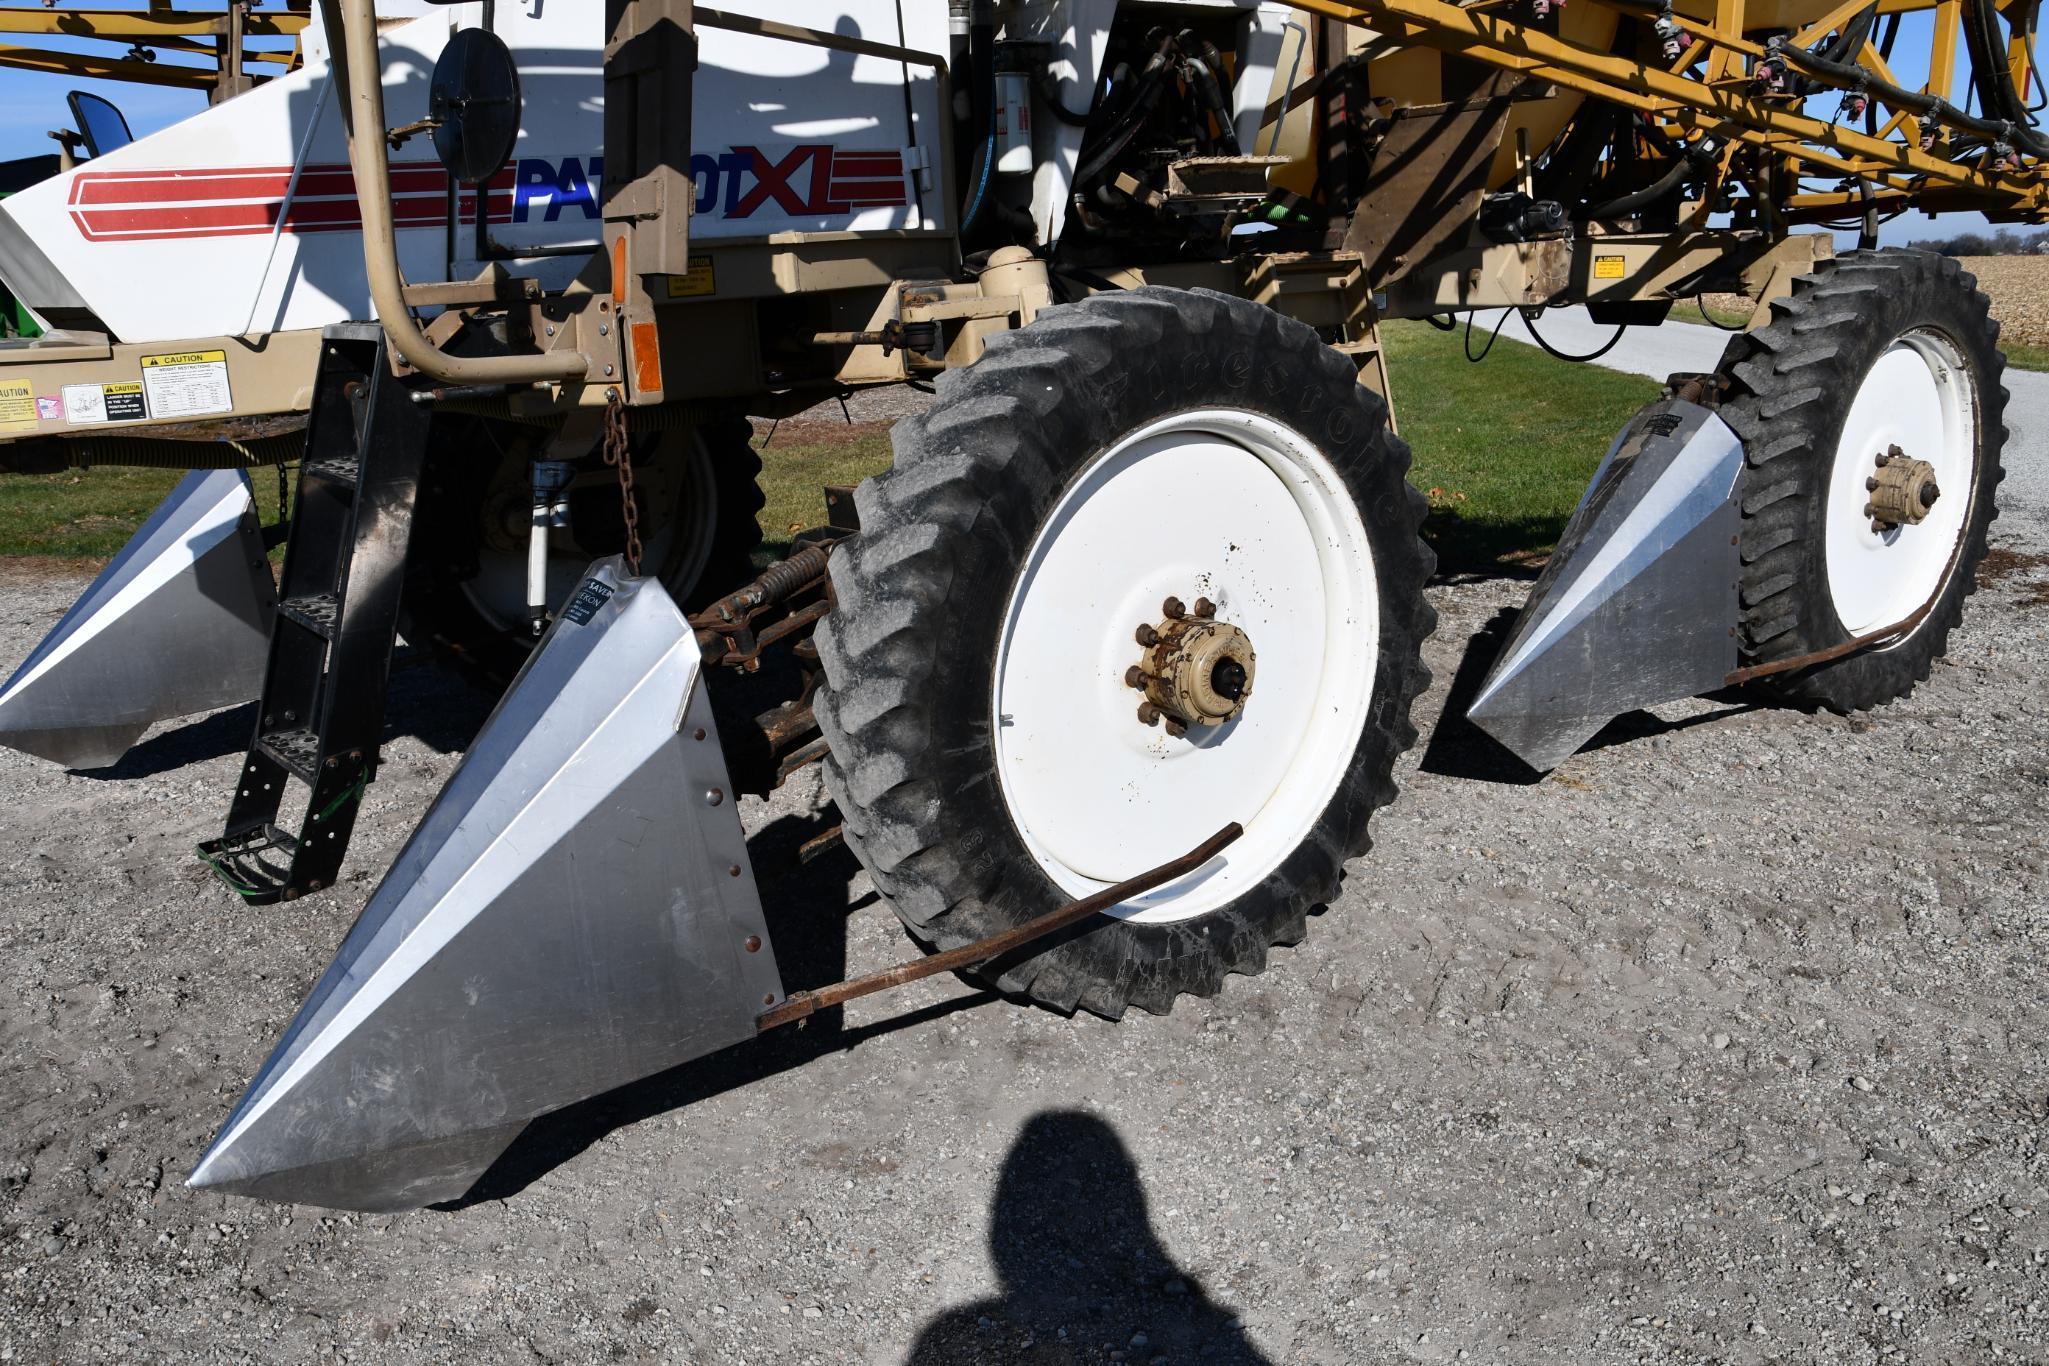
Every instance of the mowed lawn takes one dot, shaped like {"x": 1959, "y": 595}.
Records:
{"x": 1502, "y": 448}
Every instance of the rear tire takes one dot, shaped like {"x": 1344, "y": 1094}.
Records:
{"x": 986, "y": 752}
{"x": 699, "y": 498}
{"x": 1874, "y": 348}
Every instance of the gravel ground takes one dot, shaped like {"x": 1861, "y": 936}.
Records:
{"x": 1724, "y": 1043}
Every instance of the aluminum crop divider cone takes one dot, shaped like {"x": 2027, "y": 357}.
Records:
{"x": 572, "y": 914}
{"x": 1638, "y": 603}
{"x": 179, "y": 623}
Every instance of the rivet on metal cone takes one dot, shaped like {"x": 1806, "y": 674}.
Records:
{"x": 1636, "y": 604}
{"x": 554, "y": 928}
{"x": 178, "y": 624}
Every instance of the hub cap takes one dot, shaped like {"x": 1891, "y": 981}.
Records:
{"x": 1884, "y": 563}
{"x": 1250, "y": 515}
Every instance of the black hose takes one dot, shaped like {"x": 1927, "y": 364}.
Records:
{"x": 1849, "y": 39}
{"x": 1150, "y": 83}
{"x": 1049, "y": 96}
{"x": 1210, "y": 93}
{"x": 1650, "y": 194}
{"x": 1490, "y": 338}
{"x": 1708, "y": 318}
{"x": 1530, "y": 325}
{"x": 1900, "y": 97}
{"x": 1989, "y": 69}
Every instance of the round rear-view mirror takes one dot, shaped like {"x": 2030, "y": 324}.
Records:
{"x": 474, "y": 101}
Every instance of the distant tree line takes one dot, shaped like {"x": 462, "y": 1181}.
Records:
{"x": 2005, "y": 242}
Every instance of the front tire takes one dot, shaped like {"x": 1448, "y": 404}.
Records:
{"x": 1875, "y": 349}
{"x": 986, "y": 750}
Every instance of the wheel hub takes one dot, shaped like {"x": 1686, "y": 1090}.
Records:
{"x": 1195, "y": 670}
{"x": 1902, "y": 491}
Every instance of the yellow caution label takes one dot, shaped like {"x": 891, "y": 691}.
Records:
{"x": 702, "y": 279}
{"x": 187, "y": 358}
{"x": 187, "y": 384}
{"x": 17, "y": 406}
{"x": 1610, "y": 267}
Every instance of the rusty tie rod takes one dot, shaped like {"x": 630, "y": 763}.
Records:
{"x": 805, "y": 1003}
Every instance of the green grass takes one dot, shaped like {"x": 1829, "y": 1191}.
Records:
{"x": 796, "y": 468}
{"x": 1502, "y": 448}
{"x": 2026, "y": 357}
{"x": 81, "y": 514}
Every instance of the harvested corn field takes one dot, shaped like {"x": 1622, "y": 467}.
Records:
{"x": 2019, "y": 289}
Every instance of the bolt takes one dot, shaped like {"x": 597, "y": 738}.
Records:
{"x": 604, "y": 329}
{"x": 1173, "y": 609}
{"x": 608, "y": 370}
{"x": 714, "y": 797}
{"x": 733, "y": 870}
{"x": 549, "y": 329}
{"x": 1175, "y": 728}
{"x": 1148, "y": 714}
{"x": 698, "y": 733}
{"x": 1205, "y": 608}
{"x": 334, "y": 763}
{"x": 1134, "y": 677}
{"x": 754, "y": 943}
{"x": 1871, "y": 486}
{"x": 1146, "y": 635}
{"x": 769, "y": 999}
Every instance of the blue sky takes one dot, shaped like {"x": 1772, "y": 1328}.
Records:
{"x": 31, "y": 103}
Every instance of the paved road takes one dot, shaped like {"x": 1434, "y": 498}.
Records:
{"x": 1659, "y": 351}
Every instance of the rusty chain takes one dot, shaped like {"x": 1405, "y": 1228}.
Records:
{"x": 619, "y": 455}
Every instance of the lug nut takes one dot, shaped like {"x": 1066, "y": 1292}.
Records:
{"x": 1146, "y": 635}
{"x": 1175, "y": 728}
{"x": 1172, "y": 609}
{"x": 1148, "y": 714}
{"x": 1134, "y": 677}
{"x": 1205, "y": 608}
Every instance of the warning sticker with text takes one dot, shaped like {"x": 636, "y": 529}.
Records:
{"x": 121, "y": 402}
{"x": 17, "y": 406}
{"x": 702, "y": 280}
{"x": 187, "y": 384}
{"x": 1610, "y": 267}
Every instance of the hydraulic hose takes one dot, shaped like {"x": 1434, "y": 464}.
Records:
{"x": 1852, "y": 76}
{"x": 1695, "y": 159}
{"x": 1622, "y": 207}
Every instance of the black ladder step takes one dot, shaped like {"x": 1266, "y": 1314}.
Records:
{"x": 319, "y": 613}
{"x": 297, "y": 750}
{"x": 322, "y": 706}
{"x": 335, "y": 469}
{"x": 256, "y": 863}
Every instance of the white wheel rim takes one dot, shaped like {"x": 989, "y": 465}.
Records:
{"x": 1225, "y": 505}
{"x": 677, "y": 546}
{"x": 1917, "y": 396}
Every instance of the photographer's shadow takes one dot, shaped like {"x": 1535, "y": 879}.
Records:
{"x": 1077, "y": 1257}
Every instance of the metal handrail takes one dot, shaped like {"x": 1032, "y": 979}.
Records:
{"x": 368, "y": 159}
